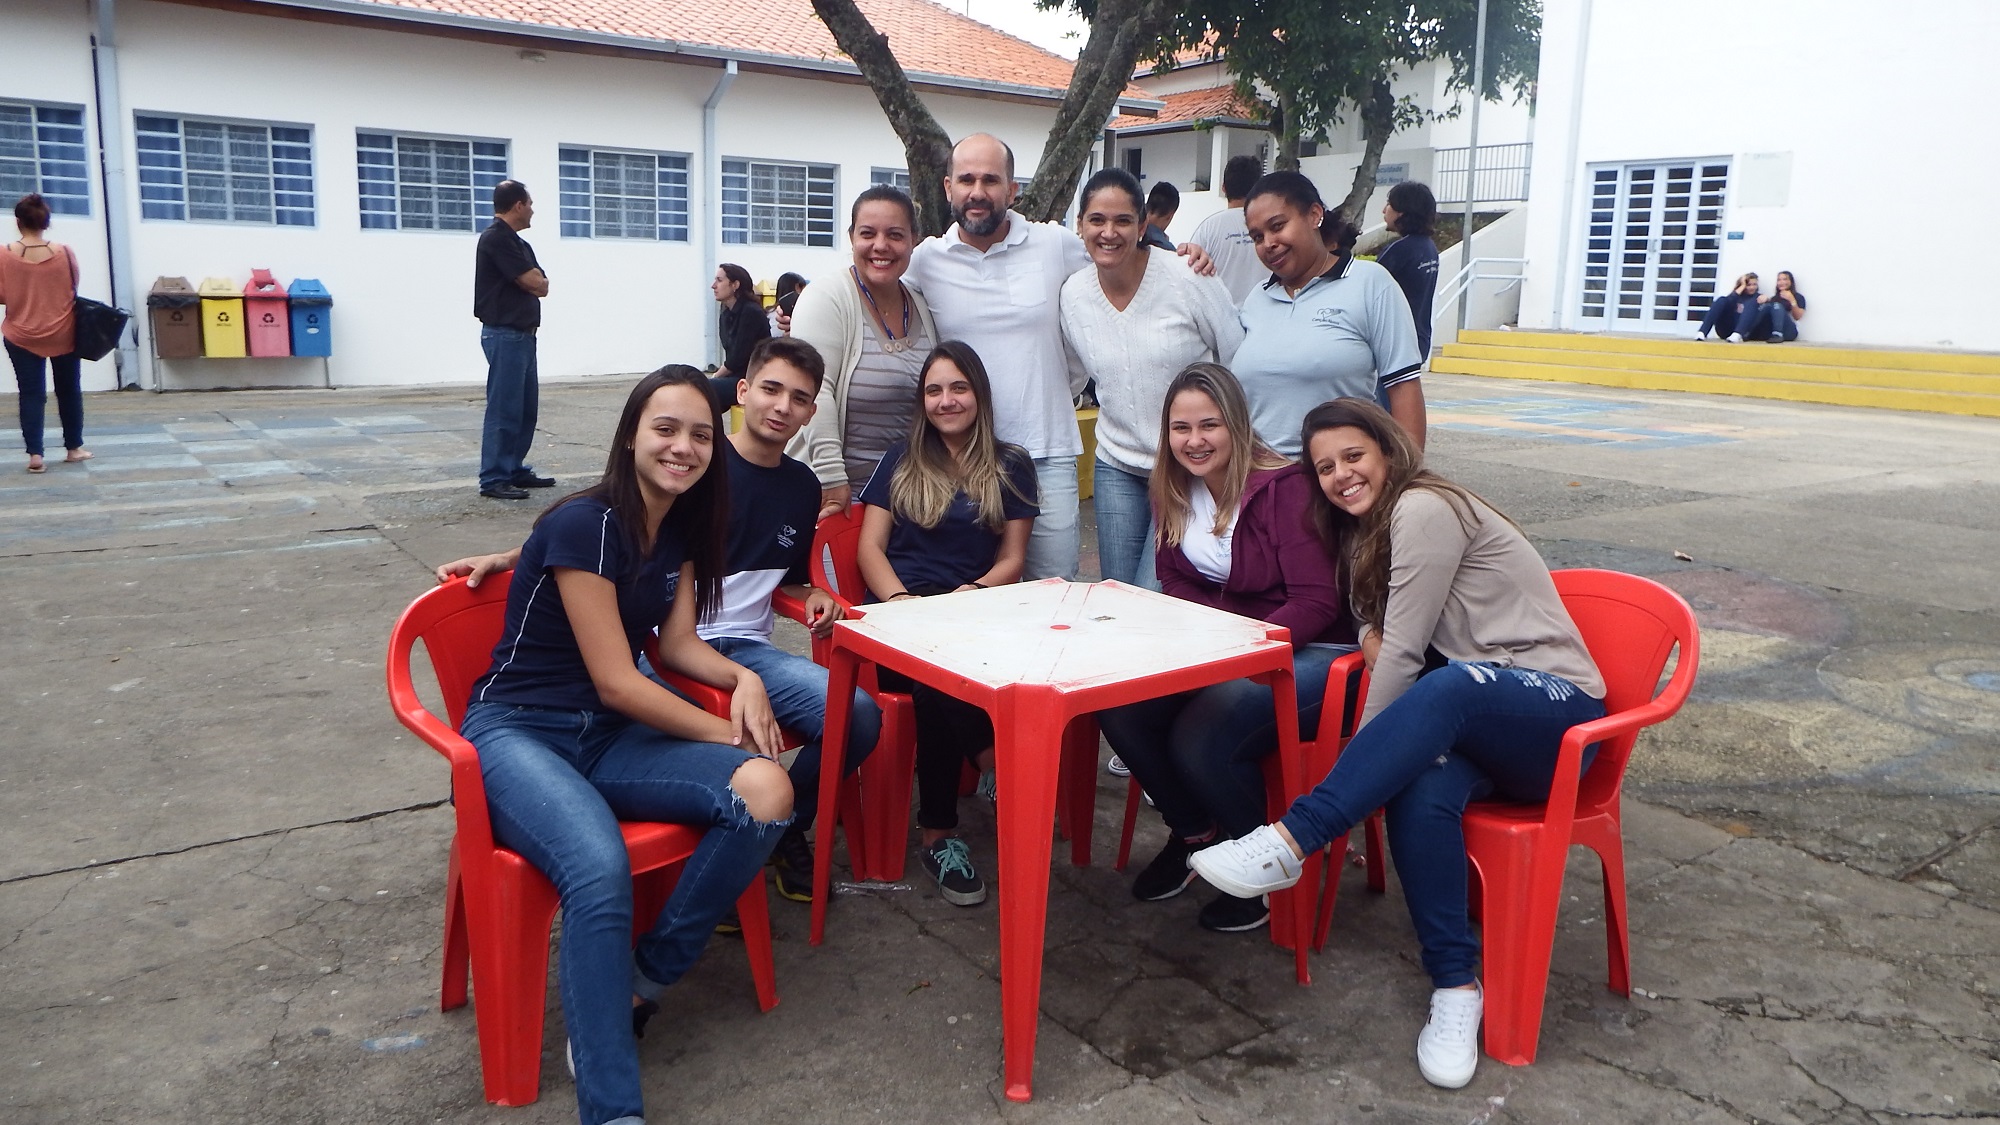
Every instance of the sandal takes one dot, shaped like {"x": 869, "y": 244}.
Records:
{"x": 36, "y": 465}
{"x": 77, "y": 456}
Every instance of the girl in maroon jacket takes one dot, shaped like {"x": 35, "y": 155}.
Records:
{"x": 1233, "y": 535}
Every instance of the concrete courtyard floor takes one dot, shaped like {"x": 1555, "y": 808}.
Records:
{"x": 223, "y": 862}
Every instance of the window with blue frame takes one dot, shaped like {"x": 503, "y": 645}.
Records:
{"x": 613, "y": 193}
{"x": 42, "y": 149}
{"x": 427, "y": 183}
{"x": 225, "y": 171}
{"x": 768, "y": 203}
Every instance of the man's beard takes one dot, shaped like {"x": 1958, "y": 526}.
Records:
{"x": 995, "y": 215}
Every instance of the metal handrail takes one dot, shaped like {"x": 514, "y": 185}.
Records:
{"x": 1461, "y": 283}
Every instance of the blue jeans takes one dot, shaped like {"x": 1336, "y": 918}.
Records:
{"x": 1462, "y": 732}
{"x": 1054, "y": 542}
{"x": 1125, "y": 530}
{"x": 1198, "y": 754}
{"x": 1774, "y": 318}
{"x": 557, "y": 783}
{"x": 797, "y": 688}
{"x": 511, "y": 395}
{"x": 34, "y": 402}
{"x": 1728, "y": 313}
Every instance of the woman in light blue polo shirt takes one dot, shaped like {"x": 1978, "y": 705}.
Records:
{"x": 1325, "y": 326}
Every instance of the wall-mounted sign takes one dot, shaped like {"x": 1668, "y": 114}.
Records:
{"x": 1736, "y": 236}
{"x": 1389, "y": 175}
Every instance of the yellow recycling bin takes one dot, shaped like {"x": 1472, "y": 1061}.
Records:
{"x": 222, "y": 319}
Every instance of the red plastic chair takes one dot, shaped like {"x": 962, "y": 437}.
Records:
{"x": 886, "y": 778}
{"x": 1631, "y": 625}
{"x": 498, "y": 908}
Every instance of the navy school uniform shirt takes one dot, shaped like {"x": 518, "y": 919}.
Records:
{"x": 537, "y": 662}
{"x": 1413, "y": 261}
{"x": 771, "y": 516}
{"x": 960, "y": 548}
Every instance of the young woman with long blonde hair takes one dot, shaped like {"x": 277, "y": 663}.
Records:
{"x": 949, "y": 510}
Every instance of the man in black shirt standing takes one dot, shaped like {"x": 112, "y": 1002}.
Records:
{"x": 507, "y": 290}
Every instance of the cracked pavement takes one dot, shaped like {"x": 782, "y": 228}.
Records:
{"x": 221, "y": 886}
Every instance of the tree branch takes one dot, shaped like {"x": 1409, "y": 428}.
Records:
{"x": 1378, "y": 121}
{"x": 925, "y": 145}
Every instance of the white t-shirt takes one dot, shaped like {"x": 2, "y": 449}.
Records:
{"x": 1206, "y": 551}
{"x": 1176, "y": 318}
{"x": 1228, "y": 244}
{"x": 1005, "y": 302}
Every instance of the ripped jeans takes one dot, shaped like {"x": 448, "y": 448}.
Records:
{"x": 1461, "y": 733}
{"x": 557, "y": 783}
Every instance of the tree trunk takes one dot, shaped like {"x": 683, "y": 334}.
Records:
{"x": 1120, "y": 31}
{"x": 1378, "y": 122}
{"x": 926, "y": 147}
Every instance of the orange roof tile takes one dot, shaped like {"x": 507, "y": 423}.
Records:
{"x": 929, "y": 40}
{"x": 1195, "y": 105}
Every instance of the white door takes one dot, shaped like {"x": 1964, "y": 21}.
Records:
{"x": 1654, "y": 247}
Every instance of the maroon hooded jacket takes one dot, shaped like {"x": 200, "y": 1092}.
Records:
{"x": 1279, "y": 572}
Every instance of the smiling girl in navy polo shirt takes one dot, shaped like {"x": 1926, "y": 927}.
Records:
{"x": 573, "y": 738}
{"x": 948, "y": 510}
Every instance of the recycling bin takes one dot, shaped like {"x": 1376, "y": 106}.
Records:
{"x": 175, "y": 311}
{"x": 265, "y": 317}
{"x": 222, "y": 319}
{"x": 312, "y": 318}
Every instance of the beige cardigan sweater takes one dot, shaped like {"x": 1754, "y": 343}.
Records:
{"x": 1479, "y": 596}
{"x": 831, "y": 316}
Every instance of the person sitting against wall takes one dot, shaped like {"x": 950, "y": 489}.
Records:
{"x": 1734, "y": 313}
{"x": 948, "y": 510}
{"x": 1162, "y": 203}
{"x": 739, "y": 325}
{"x": 1233, "y": 535}
{"x": 1778, "y": 315}
{"x": 1477, "y": 673}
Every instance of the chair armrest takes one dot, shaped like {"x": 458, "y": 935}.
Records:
{"x": 708, "y": 697}
{"x": 786, "y": 605}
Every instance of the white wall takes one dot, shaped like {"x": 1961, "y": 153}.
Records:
{"x": 402, "y": 299}
{"x": 46, "y": 45}
{"x": 1883, "y": 117}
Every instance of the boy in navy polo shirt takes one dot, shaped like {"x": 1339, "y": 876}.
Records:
{"x": 774, "y": 503}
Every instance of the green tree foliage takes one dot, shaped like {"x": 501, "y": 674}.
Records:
{"x": 1313, "y": 62}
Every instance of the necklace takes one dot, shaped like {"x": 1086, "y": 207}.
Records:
{"x": 891, "y": 342}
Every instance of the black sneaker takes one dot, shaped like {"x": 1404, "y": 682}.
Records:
{"x": 1231, "y": 915}
{"x": 793, "y": 861}
{"x": 643, "y": 1011}
{"x": 950, "y": 862}
{"x": 530, "y": 480}
{"x": 503, "y": 491}
{"x": 1168, "y": 874}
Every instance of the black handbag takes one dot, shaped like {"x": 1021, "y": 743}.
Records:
{"x": 98, "y": 328}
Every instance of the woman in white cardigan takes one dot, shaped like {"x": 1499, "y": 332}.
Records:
{"x": 1132, "y": 320}
{"x": 874, "y": 332}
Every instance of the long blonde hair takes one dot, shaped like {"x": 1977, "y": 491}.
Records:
{"x": 928, "y": 478}
{"x": 1360, "y": 547}
{"x": 1171, "y": 484}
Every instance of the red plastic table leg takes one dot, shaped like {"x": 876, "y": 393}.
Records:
{"x": 1028, "y": 738}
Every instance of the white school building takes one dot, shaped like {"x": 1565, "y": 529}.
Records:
{"x": 1678, "y": 146}
{"x": 357, "y": 142}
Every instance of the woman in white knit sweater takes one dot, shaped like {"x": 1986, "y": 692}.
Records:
{"x": 874, "y": 332}
{"x": 1430, "y": 568}
{"x": 1133, "y": 320}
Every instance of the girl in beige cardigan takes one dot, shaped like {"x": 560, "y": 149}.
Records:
{"x": 874, "y": 332}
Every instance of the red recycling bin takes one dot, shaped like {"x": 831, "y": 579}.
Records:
{"x": 265, "y": 315}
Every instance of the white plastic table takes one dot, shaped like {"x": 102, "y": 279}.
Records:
{"x": 1036, "y": 656}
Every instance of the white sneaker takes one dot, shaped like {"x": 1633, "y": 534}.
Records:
{"x": 1116, "y": 767}
{"x": 1257, "y": 864}
{"x": 1448, "y": 1046}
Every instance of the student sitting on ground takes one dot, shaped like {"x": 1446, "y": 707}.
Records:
{"x": 1734, "y": 313}
{"x": 572, "y": 737}
{"x": 948, "y": 510}
{"x": 1431, "y": 569}
{"x": 1778, "y": 314}
{"x": 773, "y": 503}
{"x": 1233, "y": 535}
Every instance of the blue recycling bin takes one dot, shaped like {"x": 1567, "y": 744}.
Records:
{"x": 312, "y": 318}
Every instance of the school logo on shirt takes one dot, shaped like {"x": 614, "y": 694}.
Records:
{"x": 673, "y": 586}
{"x": 786, "y": 534}
{"x": 1326, "y": 318}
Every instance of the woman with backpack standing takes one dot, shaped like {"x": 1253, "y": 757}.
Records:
{"x": 38, "y": 281}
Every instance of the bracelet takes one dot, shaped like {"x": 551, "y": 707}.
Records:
{"x": 977, "y": 585}
{"x": 899, "y": 594}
